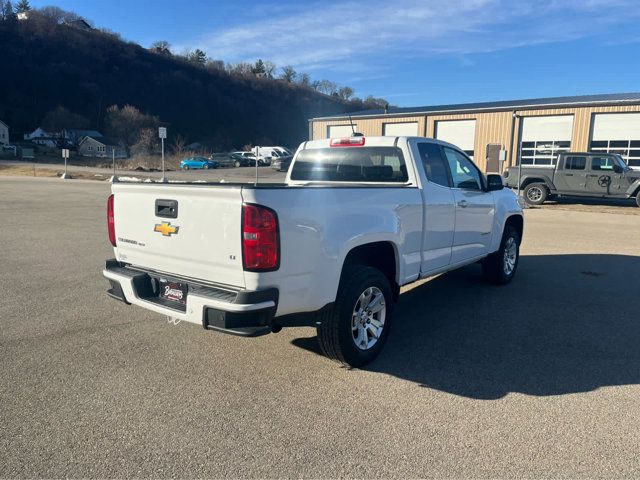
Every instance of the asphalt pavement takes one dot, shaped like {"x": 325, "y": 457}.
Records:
{"x": 540, "y": 378}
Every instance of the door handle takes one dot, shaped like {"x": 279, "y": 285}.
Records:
{"x": 463, "y": 203}
{"x": 568, "y": 174}
{"x": 591, "y": 175}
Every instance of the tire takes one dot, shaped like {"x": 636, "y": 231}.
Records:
{"x": 186, "y": 167}
{"x": 536, "y": 193}
{"x": 260, "y": 163}
{"x": 205, "y": 166}
{"x": 337, "y": 336}
{"x": 500, "y": 267}
{"x": 236, "y": 164}
{"x": 638, "y": 198}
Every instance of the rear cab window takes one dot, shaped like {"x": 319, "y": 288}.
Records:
{"x": 351, "y": 164}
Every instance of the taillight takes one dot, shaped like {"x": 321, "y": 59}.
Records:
{"x": 260, "y": 242}
{"x": 347, "y": 142}
{"x": 111, "y": 223}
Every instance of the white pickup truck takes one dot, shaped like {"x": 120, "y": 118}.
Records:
{"x": 355, "y": 220}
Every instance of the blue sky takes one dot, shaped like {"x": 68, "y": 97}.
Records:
{"x": 411, "y": 52}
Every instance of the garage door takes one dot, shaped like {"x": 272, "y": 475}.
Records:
{"x": 462, "y": 133}
{"x": 405, "y": 129}
{"x": 617, "y": 133}
{"x": 338, "y": 131}
{"x": 544, "y": 137}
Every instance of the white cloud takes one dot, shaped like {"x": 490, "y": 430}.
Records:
{"x": 352, "y": 36}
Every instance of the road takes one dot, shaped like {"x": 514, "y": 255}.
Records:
{"x": 540, "y": 378}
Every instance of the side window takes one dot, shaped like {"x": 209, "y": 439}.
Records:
{"x": 463, "y": 172}
{"x": 575, "y": 163}
{"x": 434, "y": 165}
{"x": 602, "y": 163}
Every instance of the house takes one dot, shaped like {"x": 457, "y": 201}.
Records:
{"x": 22, "y": 15}
{"x": 98, "y": 146}
{"x": 80, "y": 23}
{"x": 41, "y": 137}
{"x": 74, "y": 135}
{"x": 4, "y": 133}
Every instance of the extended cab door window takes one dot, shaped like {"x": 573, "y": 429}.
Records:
{"x": 464, "y": 174}
{"x": 435, "y": 165}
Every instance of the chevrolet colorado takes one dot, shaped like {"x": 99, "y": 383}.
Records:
{"x": 355, "y": 220}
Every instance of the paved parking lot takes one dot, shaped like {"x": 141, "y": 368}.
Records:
{"x": 537, "y": 379}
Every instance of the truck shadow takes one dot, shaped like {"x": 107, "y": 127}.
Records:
{"x": 566, "y": 324}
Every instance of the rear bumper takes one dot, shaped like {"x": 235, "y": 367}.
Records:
{"x": 236, "y": 312}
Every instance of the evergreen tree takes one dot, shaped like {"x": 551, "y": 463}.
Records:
{"x": 8, "y": 12}
{"x": 258, "y": 68}
{"x": 198, "y": 57}
{"x": 23, "y": 6}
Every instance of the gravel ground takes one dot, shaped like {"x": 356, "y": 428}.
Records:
{"x": 540, "y": 378}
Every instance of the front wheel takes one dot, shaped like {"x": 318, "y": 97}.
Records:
{"x": 500, "y": 267}
{"x": 236, "y": 164}
{"x": 638, "y": 198}
{"x": 536, "y": 193}
{"x": 354, "y": 330}
{"x": 206, "y": 167}
{"x": 186, "y": 167}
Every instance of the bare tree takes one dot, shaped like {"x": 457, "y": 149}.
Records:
{"x": 269, "y": 68}
{"x": 179, "y": 142}
{"x": 215, "y": 65}
{"x": 345, "y": 93}
{"x": 288, "y": 74}
{"x": 304, "y": 80}
{"x": 127, "y": 122}
{"x": 147, "y": 142}
{"x": 161, "y": 46}
{"x": 242, "y": 69}
{"x": 327, "y": 87}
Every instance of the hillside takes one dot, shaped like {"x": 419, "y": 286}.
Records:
{"x": 46, "y": 65}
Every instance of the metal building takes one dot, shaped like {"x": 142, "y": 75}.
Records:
{"x": 497, "y": 134}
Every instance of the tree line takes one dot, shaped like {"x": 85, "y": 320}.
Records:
{"x": 270, "y": 71}
{"x": 59, "y": 73}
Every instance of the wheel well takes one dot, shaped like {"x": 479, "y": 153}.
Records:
{"x": 529, "y": 181}
{"x": 516, "y": 222}
{"x": 380, "y": 255}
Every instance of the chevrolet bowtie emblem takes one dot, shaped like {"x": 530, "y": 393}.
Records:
{"x": 166, "y": 229}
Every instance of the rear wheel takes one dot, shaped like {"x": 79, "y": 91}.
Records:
{"x": 206, "y": 166}
{"x": 355, "y": 329}
{"x": 236, "y": 164}
{"x": 186, "y": 167}
{"x": 500, "y": 267}
{"x": 536, "y": 193}
{"x": 638, "y": 198}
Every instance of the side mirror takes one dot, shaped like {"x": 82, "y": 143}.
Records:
{"x": 617, "y": 168}
{"x": 494, "y": 182}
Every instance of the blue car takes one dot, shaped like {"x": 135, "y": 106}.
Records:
{"x": 198, "y": 162}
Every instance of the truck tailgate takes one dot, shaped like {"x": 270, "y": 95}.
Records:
{"x": 201, "y": 242}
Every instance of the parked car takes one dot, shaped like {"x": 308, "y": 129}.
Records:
{"x": 223, "y": 159}
{"x": 249, "y": 159}
{"x": 197, "y": 162}
{"x": 330, "y": 249}
{"x": 281, "y": 162}
{"x": 577, "y": 174}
